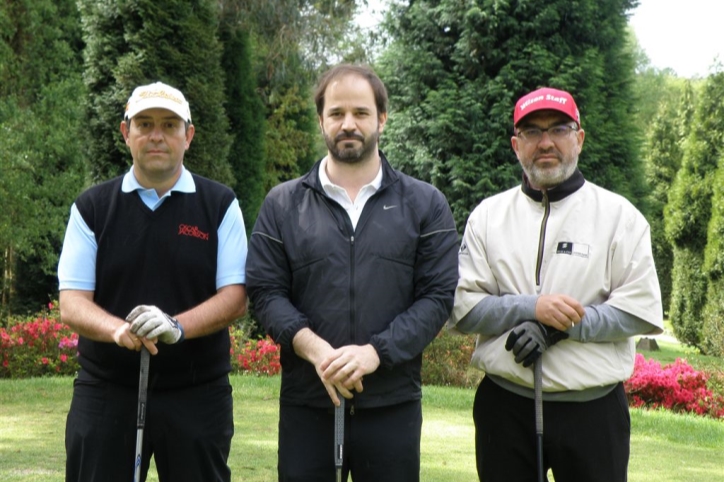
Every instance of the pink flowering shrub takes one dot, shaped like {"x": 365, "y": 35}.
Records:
{"x": 260, "y": 357}
{"x": 677, "y": 387}
{"x": 39, "y": 346}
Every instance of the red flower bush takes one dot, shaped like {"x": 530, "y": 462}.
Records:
{"x": 40, "y": 346}
{"x": 677, "y": 387}
{"x": 260, "y": 357}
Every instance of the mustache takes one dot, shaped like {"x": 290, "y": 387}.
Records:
{"x": 547, "y": 152}
{"x": 342, "y": 136}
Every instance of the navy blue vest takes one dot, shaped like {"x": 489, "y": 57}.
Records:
{"x": 165, "y": 258}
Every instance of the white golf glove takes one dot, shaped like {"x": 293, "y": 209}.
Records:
{"x": 150, "y": 322}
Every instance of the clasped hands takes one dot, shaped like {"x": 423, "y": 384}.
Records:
{"x": 343, "y": 369}
{"x": 146, "y": 325}
{"x": 554, "y": 315}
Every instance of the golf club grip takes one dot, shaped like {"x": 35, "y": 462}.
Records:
{"x": 538, "y": 388}
{"x": 143, "y": 387}
{"x": 141, "y": 418}
{"x": 339, "y": 433}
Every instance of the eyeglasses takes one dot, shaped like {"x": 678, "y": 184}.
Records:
{"x": 556, "y": 133}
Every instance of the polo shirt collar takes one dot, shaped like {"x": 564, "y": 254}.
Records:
{"x": 328, "y": 185}
{"x": 185, "y": 183}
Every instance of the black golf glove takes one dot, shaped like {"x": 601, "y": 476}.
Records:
{"x": 151, "y": 322}
{"x": 530, "y": 339}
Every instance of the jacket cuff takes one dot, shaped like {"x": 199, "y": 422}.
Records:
{"x": 286, "y": 338}
{"x": 380, "y": 346}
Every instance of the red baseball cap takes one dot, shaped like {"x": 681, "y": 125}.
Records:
{"x": 546, "y": 99}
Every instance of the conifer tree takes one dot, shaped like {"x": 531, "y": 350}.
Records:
{"x": 712, "y": 330}
{"x": 41, "y": 155}
{"x": 138, "y": 42}
{"x": 247, "y": 120}
{"x": 688, "y": 215}
{"x": 455, "y": 69}
{"x": 663, "y": 152}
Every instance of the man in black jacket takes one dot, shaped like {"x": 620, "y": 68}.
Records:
{"x": 352, "y": 269}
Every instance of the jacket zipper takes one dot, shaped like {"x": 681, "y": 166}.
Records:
{"x": 351, "y": 297}
{"x": 542, "y": 238}
{"x": 351, "y": 290}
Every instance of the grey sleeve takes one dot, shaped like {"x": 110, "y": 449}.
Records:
{"x": 604, "y": 323}
{"x": 494, "y": 315}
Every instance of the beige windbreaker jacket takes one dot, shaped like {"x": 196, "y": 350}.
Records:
{"x": 592, "y": 245}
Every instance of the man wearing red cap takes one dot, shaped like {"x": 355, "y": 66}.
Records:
{"x": 561, "y": 270}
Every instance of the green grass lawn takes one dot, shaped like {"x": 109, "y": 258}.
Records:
{"x": 665, "y": 446}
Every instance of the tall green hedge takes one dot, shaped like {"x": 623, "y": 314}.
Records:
{"x": 692, "y": 217}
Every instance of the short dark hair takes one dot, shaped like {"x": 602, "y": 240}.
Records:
{"x": 343, "y": 70}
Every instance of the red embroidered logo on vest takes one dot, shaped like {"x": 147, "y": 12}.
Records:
{"x": 186, "y": 230}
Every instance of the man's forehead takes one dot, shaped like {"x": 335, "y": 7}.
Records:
{"x": 157, "y": 112}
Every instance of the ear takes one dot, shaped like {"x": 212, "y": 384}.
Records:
{"x": 580, "y": 137}
{"x": 514, "y": 144}
{"x": 382, "y": 121}
{"x": 190, "y": 135}
{"x": 125, "y": 127}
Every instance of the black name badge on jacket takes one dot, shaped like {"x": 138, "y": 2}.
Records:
{"x": 573, "y": 249}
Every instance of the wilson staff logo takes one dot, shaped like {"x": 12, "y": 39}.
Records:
{"x": 194, "y": 231}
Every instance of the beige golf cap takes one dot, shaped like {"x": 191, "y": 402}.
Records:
{"x": 158, "y": 96}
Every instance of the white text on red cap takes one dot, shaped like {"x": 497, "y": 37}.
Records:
{"x": 553, "y": 98}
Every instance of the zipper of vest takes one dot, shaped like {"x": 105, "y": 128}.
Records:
{"x": 542, "y": 238}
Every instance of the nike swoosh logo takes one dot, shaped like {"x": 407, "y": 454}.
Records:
{"x": 386, "y": 207}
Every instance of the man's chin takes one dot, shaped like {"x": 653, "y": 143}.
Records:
{"x": 547, "y": 179}
{"x": 347, "y": 158}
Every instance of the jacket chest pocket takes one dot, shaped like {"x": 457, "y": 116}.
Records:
{"x": 314, "y": 240}
{"x": 395, "y": 242}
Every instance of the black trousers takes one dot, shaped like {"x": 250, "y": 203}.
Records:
{"x": 582, "y": 441}
{"x": 188, "y": 431}
{"x": 381, "y": 444}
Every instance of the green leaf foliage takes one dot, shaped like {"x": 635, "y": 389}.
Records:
{"x": 712, "y": 330}
{"x": 688, "y": 295}
{"x": 247, "y": 120}
{"x": 663, "y": 152}
{"x": 455, "y": 69}
{"x": 291, "y": 42}
{"x": 41, "y": 152}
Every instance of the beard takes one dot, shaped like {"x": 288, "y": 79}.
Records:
{"x": 549, "y": 177}
{"x": 342, "y": 151}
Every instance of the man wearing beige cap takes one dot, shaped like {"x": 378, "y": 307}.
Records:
{"x": 153, "y": 259}
{"x": 556, "y": 271}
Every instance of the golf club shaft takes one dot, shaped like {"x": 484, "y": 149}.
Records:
{"x": 538, "y": 387}
{"x": 141, "y": 418}
{"x": 339, "y": 436}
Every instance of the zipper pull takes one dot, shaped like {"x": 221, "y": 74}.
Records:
{"x": 351, "y": 409}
